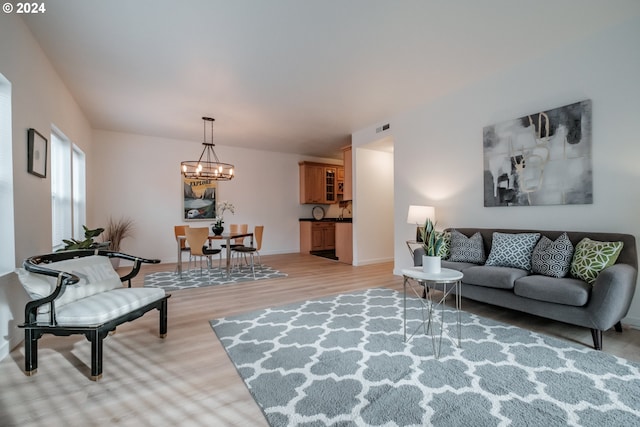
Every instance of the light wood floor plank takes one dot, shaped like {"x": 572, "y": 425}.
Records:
{"x": 187, "y": 378}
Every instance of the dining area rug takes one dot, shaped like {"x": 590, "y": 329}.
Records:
{"x": 171, "y": 281}
{"x": 342, "y": 360}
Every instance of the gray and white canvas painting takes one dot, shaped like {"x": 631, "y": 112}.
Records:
{"x": 540, "y": 159}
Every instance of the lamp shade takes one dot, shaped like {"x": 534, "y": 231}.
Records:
{"x": 418, "y": 214}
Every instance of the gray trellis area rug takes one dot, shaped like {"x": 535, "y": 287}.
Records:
{"x": 342, "y": 360}
{"x": 170, "y": 281}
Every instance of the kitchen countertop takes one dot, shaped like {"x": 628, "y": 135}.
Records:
{"x": 327, "y": 220}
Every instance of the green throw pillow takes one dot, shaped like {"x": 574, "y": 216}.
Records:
{"x": 591, "y": 257}
{"x": 444, "y": 251}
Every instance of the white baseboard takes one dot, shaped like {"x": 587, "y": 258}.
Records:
{"x": 634, "y": 322}
{"x": 372, "y": 261}
{"x": 7, "y": 346}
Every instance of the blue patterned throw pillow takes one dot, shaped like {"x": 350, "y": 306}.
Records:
{"x": 552, "y": 257}
{"x": 512, "y": 250}
{"x": 466, "y": 249}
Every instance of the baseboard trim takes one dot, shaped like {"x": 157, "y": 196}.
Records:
{"x": 372, "y": 261}
{"x": 7, "y": 346}
{"x": 633, "y": 322}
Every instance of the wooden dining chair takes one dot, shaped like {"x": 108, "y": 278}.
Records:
{"x": 178, "y": 230}
{"x": 243, "y": 251}
{"x": 241, "y": 229}
{"x": 196, "y": 239}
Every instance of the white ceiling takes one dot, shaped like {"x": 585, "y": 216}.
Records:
{"x": 292, "y": 75}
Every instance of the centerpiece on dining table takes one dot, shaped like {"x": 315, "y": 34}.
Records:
{"x": 217, "y": 226}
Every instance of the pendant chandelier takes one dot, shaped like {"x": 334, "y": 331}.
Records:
{"x": 208, "y": 166}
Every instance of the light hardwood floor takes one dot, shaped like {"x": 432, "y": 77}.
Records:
{"x": 187, "y": 378}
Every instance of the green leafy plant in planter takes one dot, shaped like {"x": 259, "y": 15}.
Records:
{"x": 87, "y": 243}
{"x": 431, "y": 240}
{"x": 431, "y": 243}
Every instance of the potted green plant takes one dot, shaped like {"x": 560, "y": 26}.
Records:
{"x": 431, "y": 243}
{"x": 87, "y": 243}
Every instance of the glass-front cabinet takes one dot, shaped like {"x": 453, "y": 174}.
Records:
{"x": 330, "y": 184}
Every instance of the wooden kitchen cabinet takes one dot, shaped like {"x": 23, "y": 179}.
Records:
{"x": 318, "y": 183}
{"x": 317, "y": 236}
{"x": 323, "y": 236}
{"x": 311, "y": 183}
{"x": 330, "y": 184}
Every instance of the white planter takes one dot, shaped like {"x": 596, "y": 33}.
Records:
{"x": 431, "y": 264}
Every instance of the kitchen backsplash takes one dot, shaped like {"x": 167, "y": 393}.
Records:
{"x": 334, "y": 211}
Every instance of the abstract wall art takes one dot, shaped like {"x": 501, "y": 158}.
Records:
{"x": 540, "y": 159}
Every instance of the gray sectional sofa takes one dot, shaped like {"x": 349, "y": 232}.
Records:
{"x": 599, "y": 305}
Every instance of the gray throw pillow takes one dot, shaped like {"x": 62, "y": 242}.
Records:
{"x": 466, "y": 249}
{"x": 512, "y": 250}
{"x": 552, "y": 257}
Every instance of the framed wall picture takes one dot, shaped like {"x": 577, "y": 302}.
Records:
{"x": 540, "y": 159}
{"x": 199, "y": 199}
{"x": 37, "y": 153}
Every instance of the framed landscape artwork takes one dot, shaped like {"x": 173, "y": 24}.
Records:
{"x": 199, "y": 199}
{"x": 540, "y": 159}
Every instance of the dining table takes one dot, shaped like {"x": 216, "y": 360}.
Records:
{"x": 228, "y": 237}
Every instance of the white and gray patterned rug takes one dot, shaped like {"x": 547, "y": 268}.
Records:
{"x": 342, "y": 360}
{"x": 170, "y": 281}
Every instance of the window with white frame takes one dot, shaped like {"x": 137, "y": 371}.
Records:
{"x": 7, "y": 248}
{"x": 68, "y": 190}
{"x": 79, "y": 193}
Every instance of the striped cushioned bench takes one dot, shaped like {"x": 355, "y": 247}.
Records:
{"x": 79, "y": 292}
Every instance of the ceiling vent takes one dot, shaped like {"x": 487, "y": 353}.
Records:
{"x": 382, "y": 128}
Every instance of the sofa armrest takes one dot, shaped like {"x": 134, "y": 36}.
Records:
{"x": 611, "y": 295}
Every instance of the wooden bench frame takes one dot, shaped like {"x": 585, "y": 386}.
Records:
{"x": 94, "y": 333}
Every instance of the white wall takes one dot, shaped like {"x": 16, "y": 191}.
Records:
{"x": 372, "y": 205}
{"x": 438, "y": 147}
{"x": 139, "y": 177}
{"x": 39, "y": 100}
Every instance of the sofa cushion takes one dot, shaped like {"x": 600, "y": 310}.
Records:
{"x": 512, "y": 250}
{"x": 458, "y": 266}
{"x": 492, "y": 277}
{"x": 466, "y": 249}
{"x": 100, "y": 308}
{"x": 567, "y": 291}
{"x": 95, "y": 272}
{"x": 591, "y": 257}
{"x": 552, "y": 258}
